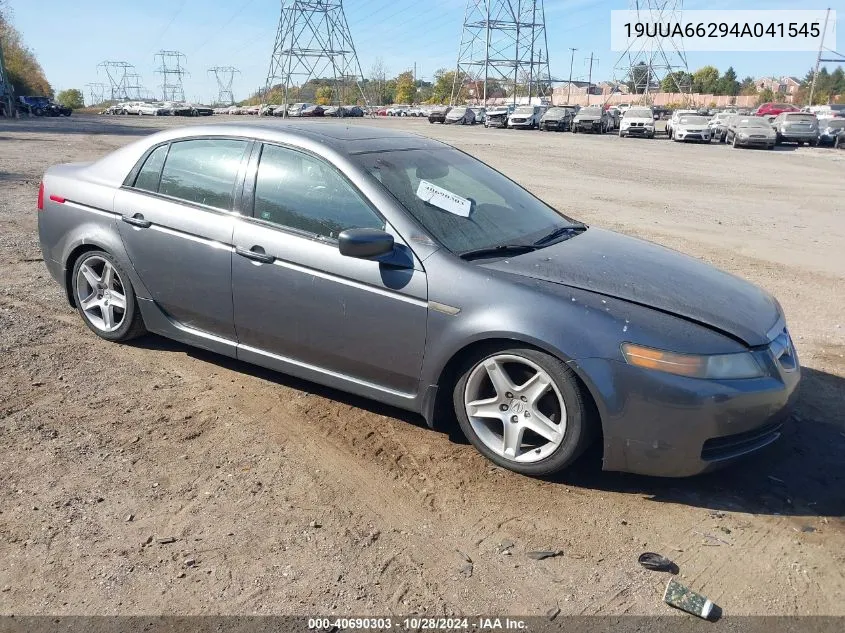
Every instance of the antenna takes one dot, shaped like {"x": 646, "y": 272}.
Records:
{"x": 172, "y": 72}
{"x": 225, "y": 76}
{"x": 313, "y": 41}
{"x": 504, "y": 42}
{"x": 646, "y": 62}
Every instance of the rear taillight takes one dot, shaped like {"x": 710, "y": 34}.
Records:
{"x": 41, "y": 196}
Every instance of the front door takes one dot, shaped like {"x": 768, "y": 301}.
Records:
{"x": 299, "y": 301}
{"x": 177, "y": 224}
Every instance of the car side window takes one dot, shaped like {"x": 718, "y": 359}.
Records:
{"x": 298, "y": 191}
{"x": 150, "y": 174}
{"x": 203, "y": 171}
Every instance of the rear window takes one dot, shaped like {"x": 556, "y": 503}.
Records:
{"x": 809, "y": 118}
{"x": 148, "y": 177}
{"x": 203, "y": 171}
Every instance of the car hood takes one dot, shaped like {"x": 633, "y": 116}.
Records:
{"x": 588, "y": 117}
{"x": 648, "y": 274}
{"x": 637, "y": 119}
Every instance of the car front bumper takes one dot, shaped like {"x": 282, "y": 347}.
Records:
{"x": 753, "y": 141}
{"x": 664, "y": 425}
{"x": 637, "y": 131}
{"x": 804, "y": 137}
{"x": 587, "y": 126}
{"x": 692, "y": 136}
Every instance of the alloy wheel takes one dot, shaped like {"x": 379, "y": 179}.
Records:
{"x": 515, "y": 408}
{"x": 100, "y": 294}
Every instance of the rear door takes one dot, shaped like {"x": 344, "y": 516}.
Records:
{"x": 301, "y": 306}
{"x": 178, "y": 215}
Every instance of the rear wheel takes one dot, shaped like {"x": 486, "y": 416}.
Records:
{"x": 105, "y": 298}
{"x": 522, "y": 409}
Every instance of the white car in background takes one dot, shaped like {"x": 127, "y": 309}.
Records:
{"x": 153, "y": 109}
{"x": 691, "y": 127}
{"x": 637, "y": 121}
{"x": 670, "y": 124}
{"x": 526, "y": 117}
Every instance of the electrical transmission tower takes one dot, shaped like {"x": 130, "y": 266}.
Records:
{"x": 646, "y": 62}
{"x": 314, "y": 42}
{"x": 96, "y": 93}
{"x": 116, "y": 73}
{"x": 133, "y": 86}
{"x": 504, "y": 44}
{"x": 225, "y": 76}
{"x": 172, "y": 71}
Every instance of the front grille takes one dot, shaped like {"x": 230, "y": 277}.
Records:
{"x": 718, "y": 448}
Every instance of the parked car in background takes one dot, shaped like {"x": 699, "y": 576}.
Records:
{"x": 796, "y": 127}
{"x": 438, "y": 114}
{"x": 497, "y": 116}
{"x": 830, "y": 129}
{"x": 637, "y": 121}
{"x": 614, "y": 115}
{"x": 719, "y": 125}
{"x": 306, "y": 256}
{"x": 153, "y": 109}
{"x": 313, "y": 110}
{"x": 526, "y": 117}
{"x": 591, "y": 119}
{"x": 691, "y": 127}
{"x": 295, "y": 109}
{"x": 774, "y": 109}
{"x": 558, "y": 119}
{"x": 41, "y": 106}
{"x": 677, "y": 114}
{"x": 460, "y": 115}
{"x": 353, "y": 111}
{"x": 480, "y": 114}
{"x": 839, "y": 141}
{"x": 661, "y": 113}
{"x": 750, "y": 131}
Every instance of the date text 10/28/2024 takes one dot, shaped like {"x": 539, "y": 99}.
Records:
{"x": 417, "y": 623}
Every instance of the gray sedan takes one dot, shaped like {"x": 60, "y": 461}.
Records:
{"x": 400, "y": 269}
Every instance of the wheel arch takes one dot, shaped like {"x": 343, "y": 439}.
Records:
{"x": 440, "y": 413}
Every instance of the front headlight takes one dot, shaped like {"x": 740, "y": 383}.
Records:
{"x": 743, "y": 135}
{"x": 713, "y": 367}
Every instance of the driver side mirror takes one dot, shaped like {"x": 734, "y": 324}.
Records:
{"x": 365, "y": 243}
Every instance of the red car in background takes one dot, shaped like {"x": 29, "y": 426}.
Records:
{"x": 774, "y": 109}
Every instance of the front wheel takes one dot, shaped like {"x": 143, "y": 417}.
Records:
{"x": 735, "y": 141}
{"x": 522, "y": 409}
{"x": 105, "y": 298}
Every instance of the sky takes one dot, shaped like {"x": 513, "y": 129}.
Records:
{"x": 71, "y": 38}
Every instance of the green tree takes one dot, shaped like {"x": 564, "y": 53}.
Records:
{"x": 25, "y": 73}
{"x": 323, "y": 95}
{"x": 747, "y": 86}
{"x": 678, "y": 81}
{"x": 728, "y": 85}
{"x": 705, "y": 80}
{"x": 639, "y": 78}
{"x": 71, "y": 98}
{"x": 406, "y": 91}
{"x": 441, "y": 92}
{"x": 765, "y": 96}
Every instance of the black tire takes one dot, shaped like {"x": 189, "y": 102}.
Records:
{"x": 37, "y": 112}
{"x": 580, "y": 427}
{"x": 133, "y": 323}
{"x": 735, "y": 142}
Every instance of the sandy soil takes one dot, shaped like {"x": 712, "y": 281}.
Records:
{"x": 154, "y": 478}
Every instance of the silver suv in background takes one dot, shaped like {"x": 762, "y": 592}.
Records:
{"x": 637, "y": 121}
{"x": 796, "y": 127}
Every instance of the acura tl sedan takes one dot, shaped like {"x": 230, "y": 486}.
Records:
{"x": 401, "y": 269}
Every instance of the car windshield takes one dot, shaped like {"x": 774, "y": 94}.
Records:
{"x": 556, "y": 111}
{"x": 693, "y": 120}
{"x": 457, "y": 111}
{"x": 638, "y": 114}
{"x": 753, "y": 122}
{"x": 462, "y": 202}
{"x": 524, "y": 110}
{"x": 836, "y": 125}
{"x": 591, "y": 111}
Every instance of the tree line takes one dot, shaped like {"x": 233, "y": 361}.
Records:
{"x": 22, "y": 68}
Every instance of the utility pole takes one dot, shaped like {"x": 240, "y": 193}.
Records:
{"x": 569, "y": 86}
{"x": 818, "y": 58}
{"x": 590, "y": 77}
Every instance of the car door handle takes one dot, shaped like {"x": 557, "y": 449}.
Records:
{"x": 258, "y": 256}
{"x": 137, "y": 220}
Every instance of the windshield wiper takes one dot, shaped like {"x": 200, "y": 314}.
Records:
{"x": 560, "y": 232}
{"x": 502, "y": 250}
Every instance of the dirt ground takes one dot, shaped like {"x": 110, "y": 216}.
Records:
{"x": 154, "y": 478}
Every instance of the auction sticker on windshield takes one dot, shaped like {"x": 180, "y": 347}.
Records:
{"x": 443, "y": 199}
